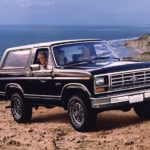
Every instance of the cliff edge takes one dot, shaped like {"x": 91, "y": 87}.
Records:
{"x": 142, "y": 43}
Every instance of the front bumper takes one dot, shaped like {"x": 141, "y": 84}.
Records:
{"x": 119, "y": 99}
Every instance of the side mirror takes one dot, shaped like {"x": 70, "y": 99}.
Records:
{"x": 35, "y": 67}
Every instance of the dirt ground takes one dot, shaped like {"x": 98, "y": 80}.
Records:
{"x": 51, "y": 130}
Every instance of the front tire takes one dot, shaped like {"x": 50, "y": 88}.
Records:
{"x": 20, "y": 109}
{"x": 82, "y": 116}
{"x": 143, "y": 110}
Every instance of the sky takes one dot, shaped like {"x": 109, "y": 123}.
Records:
{"x": 75, "y": 12}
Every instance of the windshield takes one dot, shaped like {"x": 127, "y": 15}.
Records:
{"x": 83, "y": 52}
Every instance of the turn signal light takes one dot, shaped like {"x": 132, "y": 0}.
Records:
{"x": 100, "y": 89}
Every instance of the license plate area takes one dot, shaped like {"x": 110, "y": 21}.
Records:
{"x": 136, "y": 98}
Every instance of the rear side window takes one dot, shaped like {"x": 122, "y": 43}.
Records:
{"x": 17, "y": 59}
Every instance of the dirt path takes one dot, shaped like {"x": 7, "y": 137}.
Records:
{"x": 50, "y": 130}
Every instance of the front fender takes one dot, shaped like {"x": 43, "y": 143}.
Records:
{"x": 75, "y": 86}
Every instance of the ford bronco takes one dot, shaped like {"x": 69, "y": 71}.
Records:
{"x": 83, "y": 76}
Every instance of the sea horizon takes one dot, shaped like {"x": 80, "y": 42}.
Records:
{"x": 18, "y": 35}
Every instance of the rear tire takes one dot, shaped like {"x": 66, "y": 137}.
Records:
{"x": 82, "y": 116}
{"x": 20, "y": 109}
{"x": 143, "y": 110}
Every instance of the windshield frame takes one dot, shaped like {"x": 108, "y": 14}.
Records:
{"x": 78, "y": 42}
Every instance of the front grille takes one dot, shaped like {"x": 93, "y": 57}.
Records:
{"x": 129, "y": 79}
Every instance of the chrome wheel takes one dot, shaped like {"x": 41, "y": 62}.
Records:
{"x": 81, "y": 115}
{"x": 17, "y": 108}
{"x": 20, "y": 109}
{"x": 77, "y": 113}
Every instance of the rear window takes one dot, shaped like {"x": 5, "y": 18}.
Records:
{"x": 17, "y": 59}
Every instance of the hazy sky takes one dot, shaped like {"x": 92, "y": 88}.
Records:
{"x": 89, "y": 12}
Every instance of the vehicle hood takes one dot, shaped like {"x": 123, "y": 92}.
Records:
{"x": 113, "y": 66}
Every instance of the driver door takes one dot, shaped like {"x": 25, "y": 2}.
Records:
{"x": 41, "y": 83}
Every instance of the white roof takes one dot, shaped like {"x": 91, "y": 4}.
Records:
{"x": 46, "y": 44}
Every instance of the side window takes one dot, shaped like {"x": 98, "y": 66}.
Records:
{"x": 41, "y": 57}
{"x": 18, "y": 58}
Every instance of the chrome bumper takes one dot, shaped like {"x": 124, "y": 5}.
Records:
{"x": 131, "y": 97}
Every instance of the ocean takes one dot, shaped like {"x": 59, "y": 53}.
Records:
{"x": 18, "y": 35}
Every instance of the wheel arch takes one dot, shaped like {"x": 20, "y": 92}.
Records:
{"x": 12, "y": 88}
{"x": 72, "y": 89}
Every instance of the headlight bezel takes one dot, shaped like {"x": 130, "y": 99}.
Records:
{"x": 100, "y": 84}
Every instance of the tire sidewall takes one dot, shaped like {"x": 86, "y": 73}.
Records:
{"x": 16, "y": 99}
{"x": 72, "y": 101}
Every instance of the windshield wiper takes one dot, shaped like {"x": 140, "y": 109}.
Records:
{"x": 115, "y": 58}
{"x": 106, "y": 58}
{"x": 100, "y": 58}
{"x": 78, "y": 63}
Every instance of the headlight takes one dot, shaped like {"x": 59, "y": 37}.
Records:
{"x": 99, "y": 84}
{"x": 99, "y": 81}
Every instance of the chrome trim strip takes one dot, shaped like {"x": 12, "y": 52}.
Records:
{"x": 113, "y": 50}
{"x": 71, "y": 78}
{"x": 46, "y": 78}
{"x": 2, "y": 93}
{"x": 76, "y": 72}
{"x": 27, "y": 78}
{"x": 35, "y": 96}
{"x": 107, "y": 99}
{"x": 109, "y": 82}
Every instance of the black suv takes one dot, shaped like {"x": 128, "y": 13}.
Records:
{"x": 83, "y": 76}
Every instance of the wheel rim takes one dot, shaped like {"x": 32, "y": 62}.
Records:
{"x": 17, "y": 108}
{"x": 77, "y": 113}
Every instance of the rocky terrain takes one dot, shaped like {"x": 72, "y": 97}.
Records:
{"x": 50, "y": 130}
{"x": 142, "y": 43}
{"x": 142, "y": 46}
